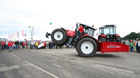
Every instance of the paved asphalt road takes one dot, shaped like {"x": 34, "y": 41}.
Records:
{"x": 65, "y": 63}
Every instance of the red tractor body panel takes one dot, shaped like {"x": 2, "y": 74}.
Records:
{"x": 70, "y": 33}
{"x": 117, "y": 35}
{"x": 102, "y": 35}
{"x": 105, "y": 47}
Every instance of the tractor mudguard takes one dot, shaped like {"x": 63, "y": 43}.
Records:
{"x": 70, "y": 33}
{"x": 113, "y": 47}
{"x": 85, "y": 36}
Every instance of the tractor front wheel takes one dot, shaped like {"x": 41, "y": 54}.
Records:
{"x": 86, "y": 47}
{"x": 58, "y": 36}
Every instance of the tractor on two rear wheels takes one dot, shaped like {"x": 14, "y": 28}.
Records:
{"x": 84, "y": 42}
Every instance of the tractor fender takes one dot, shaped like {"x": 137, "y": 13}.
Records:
{"x": 117, "y": 35}
{"x": 63, "y": 29}
{"x": 88, "y": 37}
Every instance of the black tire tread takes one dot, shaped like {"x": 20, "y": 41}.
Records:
{"x": 60, "y": 42}
{"x": 78, "y": 47}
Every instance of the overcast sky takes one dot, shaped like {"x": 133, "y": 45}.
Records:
{"x": 16, "y": 15}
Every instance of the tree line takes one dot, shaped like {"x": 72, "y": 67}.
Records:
{"x": 132, "y": 36}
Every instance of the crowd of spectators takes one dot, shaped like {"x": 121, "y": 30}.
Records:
{"x": 10, "y": 45}
{"x": 134, "y": 45}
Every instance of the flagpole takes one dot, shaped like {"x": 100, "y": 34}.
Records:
{"x": 31, "y": 33}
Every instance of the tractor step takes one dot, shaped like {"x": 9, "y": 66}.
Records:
{"x": 113, "y": 47}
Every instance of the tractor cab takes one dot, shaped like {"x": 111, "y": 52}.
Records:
{"x": 88, "y": 30}
{"x": 80, "y": 30}
{"x": 108, "y": 34}
{"x": 108, "y": 30}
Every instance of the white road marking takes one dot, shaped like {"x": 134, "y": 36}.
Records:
{"x": 42, "y": 69}
{"x": 107, "y": 67}
{"x": 37, "y": 67}
{"x": 113, "y": 68}
{"x": 102, "y": 64}
{"x": 97, "y": 65}
{"x": 7, "y": 68}
{"x": 57, "y": 65}
{"x": 15, "y": 56}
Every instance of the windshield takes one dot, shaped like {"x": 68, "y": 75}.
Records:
{"x": 89, "y": 31}
{"x": 108, "y": 31}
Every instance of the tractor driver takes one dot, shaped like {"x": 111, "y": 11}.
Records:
{"x": 80, "y": 31}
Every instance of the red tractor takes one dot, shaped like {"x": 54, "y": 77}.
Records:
{"x": 108, "y": 34}
{"x": 83, "y": 39}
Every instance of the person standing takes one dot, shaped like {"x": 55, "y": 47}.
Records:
{"x": 138, "y": 43}
{"x": 26, "y": 44}
{"x": 134, "y": 46}
{"x": 17, "y": 44}
{"x": 127, "y": 42}
{"x": 29, "y": 44}
{"x": 45, "y": 44}
{"x": 131, "y": 45}
{"x": 14, "y": 46}
{"x": 36, "y": 45}
{"x": 23, "y": 44}
{"x": 10, "y": 46}
{"x": 38, "y": 42}
{"x": 32, "y": 45}
{"x": 2, "y": 43}
{"x": 6, "y": 44}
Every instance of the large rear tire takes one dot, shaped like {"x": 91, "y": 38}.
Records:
{"x": 86, "y": 47}
{"x": 58, "y": 36}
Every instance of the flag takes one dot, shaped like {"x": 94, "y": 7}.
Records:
{"x": 10, "y": 35}
{"x": 32, "y": 30}
{"x": 13, "y": 35}
{"x": 17, "y": 34}
{"x": 22, "y": 32}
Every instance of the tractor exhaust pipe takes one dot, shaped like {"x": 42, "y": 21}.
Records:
{"x": 47, "y": 35}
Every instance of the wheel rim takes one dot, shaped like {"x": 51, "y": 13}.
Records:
{"x": 87, "y": 47}
{"x": 58, "y": 35}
